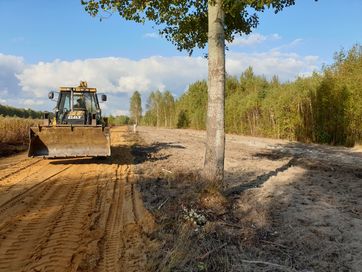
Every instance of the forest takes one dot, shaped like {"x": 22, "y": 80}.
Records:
{"x": 22, "y": 113}
{"x": 325, "y": 107}
{"x": 119, "y": 120}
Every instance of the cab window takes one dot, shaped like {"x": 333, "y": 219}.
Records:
{"x": 79, "y": 101}
{"x": 64, "y": 104}
{"x": 84, "y": 101}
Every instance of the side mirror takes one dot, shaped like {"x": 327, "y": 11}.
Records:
{"x": 51, "y": 95}
{"x": 103, "y": 97}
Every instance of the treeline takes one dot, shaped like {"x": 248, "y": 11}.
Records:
{"x": 161, "y": 110}
{"x": 22, "y": 113}
{"x": 118, "y": 120}
{"x": 325, "y": 107}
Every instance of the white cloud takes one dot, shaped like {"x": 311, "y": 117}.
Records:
{"x": 295, "y": 42}
{"x": 31, "y": 102}
{"x": 114, "y": 75}
{"x": 253, "y": 39}
{"x": 9, "y": 67}
{"x": 152, "y": 35}
{"x": 27, "y": 85}
{"x": 121, "y": 112}
{"x": 128, "y": 83}
{"x": 14, "y": 62}
{"x": 286, "y": 65}
{"x": 289, "y": 46}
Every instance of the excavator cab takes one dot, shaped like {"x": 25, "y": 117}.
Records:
{"x": 76, "y": 128}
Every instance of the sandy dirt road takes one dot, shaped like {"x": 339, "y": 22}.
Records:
{"x": 72, "y": 215}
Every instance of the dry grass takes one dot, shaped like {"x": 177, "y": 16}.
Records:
{"x": 190, "y": 233}
{"x": 282, "y": 215}
{"x": 14, "y": 133}
{"x": 227, "y": 240}
{"x": 193, "y": 238}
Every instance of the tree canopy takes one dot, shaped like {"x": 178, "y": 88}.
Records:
{"x": 118, "y": 120}
{"x": 185, "y": 22}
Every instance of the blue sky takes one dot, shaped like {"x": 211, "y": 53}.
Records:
{"x": 45, "y": 43}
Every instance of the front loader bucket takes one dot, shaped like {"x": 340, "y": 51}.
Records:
{"x": 69, "y": 141}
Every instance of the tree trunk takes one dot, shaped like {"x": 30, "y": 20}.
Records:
{"x": 136, "y": 113}
{"x": 158, "y": 116}
{"x": 215, "y": 135}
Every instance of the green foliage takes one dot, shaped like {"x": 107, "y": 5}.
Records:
{"x": 184, "y": 22}
{"x": 118, "y": 120}
{"x": 322, "y": 108}
{"x": 22, "y": 113}
{"x": 136, "y": 107}
{"x": 182, "y": 120}
{"x": 160, "y": 110}
{"x": 347, "y": 72}
{"x": 330, "y": 102}
{"x": 194, "y": 104}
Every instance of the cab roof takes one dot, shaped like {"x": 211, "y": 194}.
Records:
{"x": 83, "y": 87}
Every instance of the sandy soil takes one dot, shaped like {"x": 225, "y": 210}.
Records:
{"x": 286, "y": 206}
{"x": 291, "y": 206}
{"x": 74, "y": 214}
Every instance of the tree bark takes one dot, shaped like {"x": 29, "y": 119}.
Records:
{"x": 158, "y": 115}
{"x": 215, "y": 135}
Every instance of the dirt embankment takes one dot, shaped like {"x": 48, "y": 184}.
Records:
{"x": 286, "y": 206}
{"x": 74, "y": 214}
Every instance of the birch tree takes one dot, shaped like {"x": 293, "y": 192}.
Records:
{"x": 136, "y": 107}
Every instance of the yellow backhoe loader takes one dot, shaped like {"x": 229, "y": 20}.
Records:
{"x": 75, "y": 129}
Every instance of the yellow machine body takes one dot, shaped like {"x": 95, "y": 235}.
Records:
{"x": 73, "y": 131}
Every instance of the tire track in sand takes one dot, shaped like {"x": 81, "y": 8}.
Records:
{"x": 65, "y": 235}
{"x": 20, "y": 166}
{"x": 124, "y": 244}
{"x": 74, "y": 215}
{"x": 19, "y": 196}
{"x": 20, "y": 236}
{"x": 47, "y": 235}
{"x": 111, "y": 245}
